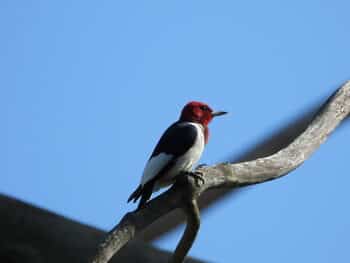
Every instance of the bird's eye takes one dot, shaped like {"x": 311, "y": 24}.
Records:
{"x": 204, "y": 108}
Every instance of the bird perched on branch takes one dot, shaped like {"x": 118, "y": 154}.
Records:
{"x": 177, "y": 151}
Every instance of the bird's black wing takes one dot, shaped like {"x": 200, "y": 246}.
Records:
{"x": 176, "y": 140}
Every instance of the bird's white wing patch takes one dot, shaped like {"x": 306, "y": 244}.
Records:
{"x": 154, "y": 166}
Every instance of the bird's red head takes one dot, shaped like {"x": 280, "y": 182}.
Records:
{"x": 199, "y": 112}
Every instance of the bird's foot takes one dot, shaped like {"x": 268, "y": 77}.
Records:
{"x": 198, "y": 177}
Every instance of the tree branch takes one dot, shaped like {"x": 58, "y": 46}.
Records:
{"x": 257, "y": 171}
{"x": 193, "y": 222}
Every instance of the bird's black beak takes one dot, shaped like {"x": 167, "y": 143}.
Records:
{"x": 218, "y": 113}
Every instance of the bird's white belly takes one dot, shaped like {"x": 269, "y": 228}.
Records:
{"x": 186, "y": 162}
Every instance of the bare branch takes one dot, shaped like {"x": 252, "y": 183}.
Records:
{"x": 192, "y": 227}
{"x": 190, "y": 207}
{"x": 260, "y": 170}
{"x": 281, "y": 163}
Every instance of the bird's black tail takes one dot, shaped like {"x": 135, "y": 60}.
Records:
{"x": 136, "y": 194}
{"x": 144, "y": 192}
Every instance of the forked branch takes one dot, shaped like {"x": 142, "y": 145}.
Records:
{"x": 336, "y": 109}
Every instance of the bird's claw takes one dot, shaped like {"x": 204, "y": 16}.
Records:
{"x": 198, "y": 177}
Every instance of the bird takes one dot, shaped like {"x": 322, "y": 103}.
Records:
{"x": 178, "y": 150}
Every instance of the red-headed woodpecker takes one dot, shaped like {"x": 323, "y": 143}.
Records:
{"x": 177, "y": 151}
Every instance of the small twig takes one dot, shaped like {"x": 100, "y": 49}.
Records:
{"x": 192, "y": 227}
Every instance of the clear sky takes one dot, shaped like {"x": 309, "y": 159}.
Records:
{"x": 87, "y": 87}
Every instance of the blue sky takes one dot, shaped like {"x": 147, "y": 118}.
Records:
{"x": 87, "y": 88}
